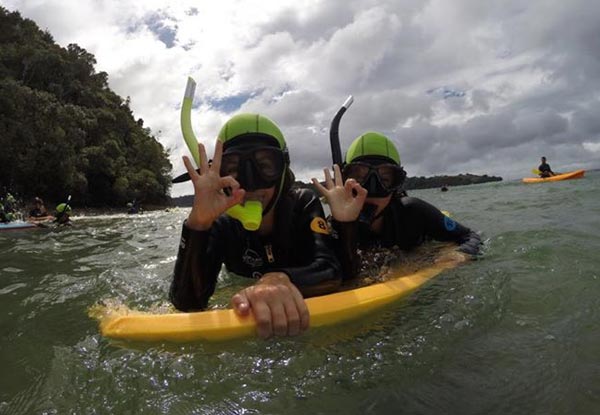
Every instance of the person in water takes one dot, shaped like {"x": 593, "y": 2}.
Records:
{"x": 63, "y": 215}
{"x": 545, "y": 170}
{"x": 5, "y": 216}
{"x": 38, "y": 210}
{"x": 370, "y": 209}
{"x": 290, "y": 255}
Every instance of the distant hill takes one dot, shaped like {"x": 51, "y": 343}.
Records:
{"x": 64, "y": 131}
{"x": 439, "y": 181}
{"x": 411, "y": 183}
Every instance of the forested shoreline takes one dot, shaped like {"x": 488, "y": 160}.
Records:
{"x": 64, "y": 131}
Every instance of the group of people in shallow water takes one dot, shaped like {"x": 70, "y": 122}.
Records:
{"x": 296, "y": 252}
{"x": 38, "y": 213}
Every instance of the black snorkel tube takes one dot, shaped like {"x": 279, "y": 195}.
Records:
{"x": 367, "y": 214}
{"x": 334, "y": 132}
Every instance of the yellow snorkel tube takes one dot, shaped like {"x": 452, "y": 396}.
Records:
{"x": 250, "y": 215}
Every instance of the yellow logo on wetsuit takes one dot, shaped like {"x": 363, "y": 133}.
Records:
{"x": 319, "y": 225}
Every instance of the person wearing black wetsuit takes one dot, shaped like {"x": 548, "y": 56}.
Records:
{"x": 291, "y": 253}
{"x": 370, "y": 210}
{"x": 544, "y": 169}
{"x": 39, "y": 210}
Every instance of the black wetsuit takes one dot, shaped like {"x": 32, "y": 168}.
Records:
{"x": 407, "y": 223}
{"x": 300, "y": 246}
{"x": 545, "y": 170}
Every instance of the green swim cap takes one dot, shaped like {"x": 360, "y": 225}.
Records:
{"x": 372, "y": 144}
{"x": 251, "y": 124}
{"x": 62, "y": 207}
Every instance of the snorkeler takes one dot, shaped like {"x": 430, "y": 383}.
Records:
{"x": 370, "y": 209}
{"x": 287, "y": 251}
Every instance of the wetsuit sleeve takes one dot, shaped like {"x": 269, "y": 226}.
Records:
{"x": 198, "y": 264}
{"x": 443, "y": 228}
{"x": 346, "y": 247}
{"x": 319, "y": 271}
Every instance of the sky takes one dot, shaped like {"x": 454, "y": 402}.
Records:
{"x": 462, "y": 86}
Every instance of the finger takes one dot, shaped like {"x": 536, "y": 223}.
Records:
{"x": 328, "y": 181}
{"x": 237, "y": 196}
{"x": 203, "y": 159}
{"x": 350, "y": 184}
{"x": 190, "y": 168}
{"x": 293, "y": 317}
{"x": 229, "y": 181}
{"x": 319, "y": 187}
{"x": 279, "y": 319}
{"x": 240, "y": 303}
{"x": 216, "y": 161}
{"x": 361, "y": 193}
{"x": 301, "y": 308}
{"x": 337, "y": 175}
{"x": 262, "y": 315}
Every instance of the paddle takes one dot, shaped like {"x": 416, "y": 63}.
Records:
{"x": 537, "y": 173}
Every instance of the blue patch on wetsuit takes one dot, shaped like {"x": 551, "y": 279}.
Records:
{"x": 449, "y": 223}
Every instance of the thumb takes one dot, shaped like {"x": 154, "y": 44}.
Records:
{"x": 236, "y": 197}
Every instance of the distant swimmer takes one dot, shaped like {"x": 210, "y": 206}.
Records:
{"x": 544, "y": 169}
{"x": 444, "y": 189}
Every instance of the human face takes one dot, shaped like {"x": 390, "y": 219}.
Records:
{"x": 379, "y": 177}
{"x": 264, "y": 196}
{"x": 254, "y": 167}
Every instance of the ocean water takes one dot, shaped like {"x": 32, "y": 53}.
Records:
{"x": 515, "y": 332}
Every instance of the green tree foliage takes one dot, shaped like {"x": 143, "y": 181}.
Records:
{"x": 63, "y": 131}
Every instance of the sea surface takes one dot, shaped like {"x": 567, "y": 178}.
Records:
{"x": 514, "y": 332}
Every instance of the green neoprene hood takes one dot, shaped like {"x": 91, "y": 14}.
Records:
{"x": 251, "y": 123}
{"x": 372, "y": 144}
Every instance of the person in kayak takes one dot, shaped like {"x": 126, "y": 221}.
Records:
{"x": 290, "y": 255}
{"x": 38, "y": 210}
{"x": 63, "y": 215}
{"x": 544, "y": 169}
{"x": 370, "y": 209}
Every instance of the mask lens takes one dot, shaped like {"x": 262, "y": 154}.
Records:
{"x": 269, "y": 163}
{"x": 254, "y": 168}
{"x": 230, "y": 164}
{"x": 357, "y": 171}
{"x": 388, "y": 175}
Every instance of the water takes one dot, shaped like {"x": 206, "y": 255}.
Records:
{"x": 515, "y": 332}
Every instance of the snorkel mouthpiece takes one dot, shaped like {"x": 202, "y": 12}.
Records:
{"x": 250, "y": 215}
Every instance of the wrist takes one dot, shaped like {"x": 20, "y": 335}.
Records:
{"x": 198, "y": 224}
{"x": 274, "y": 278}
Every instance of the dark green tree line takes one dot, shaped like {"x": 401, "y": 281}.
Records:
{"x": 63, "y": 131}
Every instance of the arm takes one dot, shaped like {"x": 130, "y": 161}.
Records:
{"x": 345, "y": 202}
{"x": 200, "y": 255}
{"x": 318, "y": 271}
{"x": 443, "y": 228}
{"x": 346, "y": 247}
{"x": 198, "y": 263}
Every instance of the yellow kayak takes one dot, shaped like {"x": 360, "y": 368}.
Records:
{"x": 225, "y": 324}
{"x": 577, "y": 174}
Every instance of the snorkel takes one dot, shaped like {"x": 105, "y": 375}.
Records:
{"x": 367, "y": 214}
{"x": 250, "y": 215}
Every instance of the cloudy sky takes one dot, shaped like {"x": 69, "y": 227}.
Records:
{"x": 484, "y": 87}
